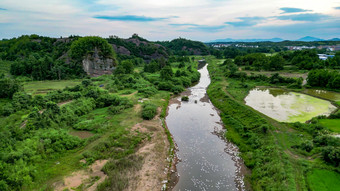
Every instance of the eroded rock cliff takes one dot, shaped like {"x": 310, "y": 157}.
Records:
{"x": 96, "y": 65}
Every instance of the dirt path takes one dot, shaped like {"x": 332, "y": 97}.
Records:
{"x": 129, "y": 95}
{"x": 153, "y": 173}
{"x": 64, "y": 102}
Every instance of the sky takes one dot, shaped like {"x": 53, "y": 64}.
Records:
{"x": 203, "y": 20}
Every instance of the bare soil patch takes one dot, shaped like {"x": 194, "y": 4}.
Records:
{"x": 129, "y": 95}
{"x": 87, "y": 179}
{"x": 82, "y": 134}
{"x": 154, "y": 170}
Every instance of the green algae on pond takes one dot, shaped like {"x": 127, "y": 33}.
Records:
{"x": 287, "y": 106}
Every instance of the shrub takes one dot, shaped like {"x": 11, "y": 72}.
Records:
{"x": 331, "y": 155}
{"x": 149, "y": 111}
{"x": 307, "y": 146}
{"x": 185, "y": 98}
{"x": 116, "y": 109}
{"x": 148, "y": 91}
{"x": 9, "y": 87}
{"x": 165, "y": 85}
{"x": 177, "y": 89}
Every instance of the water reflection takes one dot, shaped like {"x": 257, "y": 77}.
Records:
{"x": 287, "y": 106}
{"x": 204, "y": 163}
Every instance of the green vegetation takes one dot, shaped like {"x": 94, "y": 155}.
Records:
{"x": 43, "y": 87}
{"x": 41, "y": 122}
{"x": 331, "y": 124}
{"x": 5, "y": 67}
{"x": 8, "y": 87}
{"x": 321, "y": 179}
{"x": 324, "y": 78}
{"x": 86, "y": 45}
{"x": 138, "y": 47}
{"x": 260, "y": 61}
{"x": 185, "y": 98}
{"x": 149, "y": 111}
{"x": 183, "y": 47}
{"x": 280, "y": 155}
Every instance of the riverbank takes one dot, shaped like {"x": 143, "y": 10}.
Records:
{"x": 206, "y": 160}
{"x": 272, "y": 150}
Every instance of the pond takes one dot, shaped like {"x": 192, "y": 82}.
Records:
{"x": 287, "y": 106}
{"x": 206, "y": 160}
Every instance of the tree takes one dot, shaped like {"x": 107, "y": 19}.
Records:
{"x": 166, "y": 73}
{"x": 152, "y": 67}
{"x": 318, "y": 78}
{"x": 8, "y": 87}
{"x": 276, "y": 63}
{"x": 86, "y": 45}
{"x": 125, "y": 67}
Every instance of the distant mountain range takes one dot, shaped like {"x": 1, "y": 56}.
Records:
{"x": 304, "y": 39}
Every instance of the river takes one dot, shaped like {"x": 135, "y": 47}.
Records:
{"x": 206, "y": 160}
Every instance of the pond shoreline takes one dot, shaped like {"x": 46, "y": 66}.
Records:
{"x": 303, "y": 91}
{"x": 288, "y": 106}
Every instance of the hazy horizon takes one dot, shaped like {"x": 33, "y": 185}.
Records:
{"x": 201, "y": 20}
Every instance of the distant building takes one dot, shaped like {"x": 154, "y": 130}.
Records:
{"x": 325, "y": 56}
{"x": 337, "y": 47}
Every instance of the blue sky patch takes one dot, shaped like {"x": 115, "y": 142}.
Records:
{"x": 292, "y": 10}
{"x": 208, "y": 28}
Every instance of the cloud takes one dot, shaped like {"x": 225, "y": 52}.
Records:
{"x": 320, "y": 29}
{"x": 246, "y": 21}
{"x": 2, "y": 9}
{"x": 336, "y": 7}
{"x": 206, "y": 28}
{"x": 304, "y": 17}
{"x": 292, "y": 10}
{"x": 181, "y": 25}
{"x": 196, "y": 27}
{"x": 134, "y": 18}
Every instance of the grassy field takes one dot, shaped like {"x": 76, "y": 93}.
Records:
{"x": 323, "y": 180}
{"x": 331, "y": 124}
{"x": 42, "y": 87}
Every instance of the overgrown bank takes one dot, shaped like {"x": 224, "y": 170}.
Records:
{"x": 277, "y": 153}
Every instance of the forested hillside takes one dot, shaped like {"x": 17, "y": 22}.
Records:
{"x": 182, "y": 46}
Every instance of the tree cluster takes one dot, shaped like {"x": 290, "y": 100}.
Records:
{"x": 324, "y": 78}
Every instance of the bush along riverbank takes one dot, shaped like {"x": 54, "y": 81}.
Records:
{"x": 281, "y": 156}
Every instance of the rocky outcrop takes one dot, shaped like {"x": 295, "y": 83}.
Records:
{"x": 95, "y": 65}
{"x": 121, "y": 50}
{"x": 138, "y": 47}
{"x": 192, "y": 50}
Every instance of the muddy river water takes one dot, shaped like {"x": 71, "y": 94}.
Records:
{"x": 206, "y": 160}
